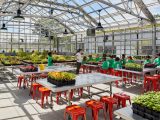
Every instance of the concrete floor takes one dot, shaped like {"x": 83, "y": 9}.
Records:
{"x": 16, "y": 104}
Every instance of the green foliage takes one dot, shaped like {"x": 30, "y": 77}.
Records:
{"x": 150, "y": 100}
{"x": 62, "y": 76}
{"x": 134, "y": 66}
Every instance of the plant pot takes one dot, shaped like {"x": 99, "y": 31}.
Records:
{"x": 141, "y": 108}
{"x": 135, "y": 110}
{"x": 134, "y": 105}
{"x": 140, "y": 113}
{"x": 60, "y": 83}
{"x": 148, "y": 111}
{"x": 148, "y": 116}
{"x": 156, "y": 114}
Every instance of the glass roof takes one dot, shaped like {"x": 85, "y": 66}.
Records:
{"x": 77, "y": 15}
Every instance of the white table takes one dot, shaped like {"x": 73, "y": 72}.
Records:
{"x": 82, "y": 80}
{"x": 46, "y": 70}
{"x": 142, "y": 73}
{"x": 127, "y": 114}
{"x": 145, "y": 70}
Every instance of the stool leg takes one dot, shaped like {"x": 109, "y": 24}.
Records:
{"x": 58, "y": 94}
{"x": 84, "y": 117}
{"x": 129, "y": 101}
{"x": 95, "y": 114}
{"x": 123, "y": 103}
{"x": 42, "y": 99}
{"x": 33, "y": 92}
{"x": 110, "y": 111}
{"x": 104, "y": 112}
{"x": 64, "y": 115}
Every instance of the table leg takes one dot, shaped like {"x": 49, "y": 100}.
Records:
{"x": 51, "y": 95}
{"x": 123, "y": 85}
{"x": 69, "y": 102}
{"x": 110, "y": 89}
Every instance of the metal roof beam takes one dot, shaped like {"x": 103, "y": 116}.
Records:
{"x": 121, "y": 9}
{"x": 145, "y": 10}
{"x": 72, "y": 7}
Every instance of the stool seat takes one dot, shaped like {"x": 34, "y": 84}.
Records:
{"x": 96, "y": 106}
{"x": 121, "y": 97}
{"x": 45, "y": 92}
{"x": 109, "y": 101}
{"x": 75, "y": 111}
{"x": 34, "y": 87}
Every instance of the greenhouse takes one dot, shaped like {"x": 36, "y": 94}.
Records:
{"x": 79, "y": 59}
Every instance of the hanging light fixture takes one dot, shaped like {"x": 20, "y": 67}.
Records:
{"x": 3, "y": 27}
{"x": 65, "y": 31}
{"x": 18, "y": 17}
{"x": 46, "y": 33}
{"x": 99, "y": 26}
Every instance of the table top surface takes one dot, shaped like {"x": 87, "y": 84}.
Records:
{"x": 138, "y": 72}
{"x": 127, "y": 114}
{"x": 92, "y": 65}
{"x": 82, "y": 80}
{"x": 47, "y": 69}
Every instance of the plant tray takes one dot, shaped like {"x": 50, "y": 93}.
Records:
{"x": 139, "y": 70}
{"x": 60, "y": 83}
{"x": 30, "y": 62}
{"x": 64, "y": 61}
{"x": 92, "y": 63}
{"x": 11, "y": 64}
{"x": 145, "y": 112}
{"x": 150, "y": 66}
{"x": 29, "y": 70}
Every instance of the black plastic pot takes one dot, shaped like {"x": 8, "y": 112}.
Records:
{"x": 156, "y": 114}
{"x": 148, "y": 116}
{"x": 60, "y": 82}
{"x": 142, "y": 114}
{"x": 134, "y": 105}
{"x": 148, "y": 111}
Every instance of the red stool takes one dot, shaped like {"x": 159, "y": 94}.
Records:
{"x": 158, "y": 75}
{"x": 58, "y": 95}
{"x": 109, "y": 101}
{"x": 43, "y": 75}
{"x": 116, "y": 73}
{"x": 83, "y": 67}
{"x": 80, "y": 92}
{"x": 20, "y": 80}
{"x": 45, "y": 92}
{"x": 122, "y": 98}
{"x": 35, "y": 87}
{"x": 103, "y": 71}
{"x": 151, "y": 79}
{"x": 96, "y": 106}
{"x": 75, "y": 111}
{"x": 33, "y": 78}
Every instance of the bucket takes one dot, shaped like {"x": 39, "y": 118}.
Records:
{"x": 42, "y": 66}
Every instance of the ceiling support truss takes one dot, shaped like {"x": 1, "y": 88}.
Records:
{"x": 145, "y": 10}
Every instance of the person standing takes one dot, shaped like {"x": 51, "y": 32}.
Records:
{"x": 117, "y": 63}
{"x": 157, "y": 60}
{"x": 123, "y": 60}
{"x": 147, "y": 61}
{"x": 79, "y": 60}
{"x": 50, "y": 59}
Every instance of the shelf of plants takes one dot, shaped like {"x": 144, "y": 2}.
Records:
{"x": 147, "y": 105}
{"x": 61, "y": 78}
{"x": 9, "y": 60}
{"x": 134, "y": 67}
{"x": 28, "y": 68}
